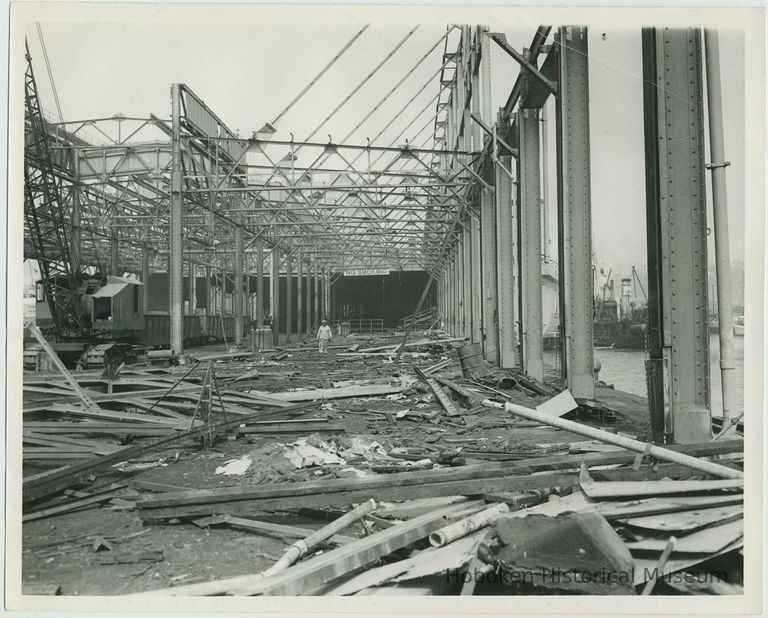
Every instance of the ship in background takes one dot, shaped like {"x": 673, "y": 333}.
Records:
{"x": 622, "y": 323}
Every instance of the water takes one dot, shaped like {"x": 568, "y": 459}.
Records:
{"x": 625, "y": 369}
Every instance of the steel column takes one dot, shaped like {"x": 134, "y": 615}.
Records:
{"x": 114, "y": 253}
{"x": 573, "y": 112}
{"x": 145, "y": 272}
{"x": 238, "y": 296}
{"x": 175, "y": 274}
{"x": 505, "y": 266}
{"x": 678, "y": 366}
{"x": 259, "y": 282}
{"x": 274, "y": 284}
{"x": 530, "y": 226}
{"x": 192, "y": 288}
{"x": 308, "y": 301}
{"x": 289, "y": 297}
{"x": 316, "y": 271}
{"x": 299, "y": 296}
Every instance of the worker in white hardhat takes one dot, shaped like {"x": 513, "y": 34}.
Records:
{"x": 324, "y": 336}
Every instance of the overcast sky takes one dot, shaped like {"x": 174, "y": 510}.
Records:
{"x": 247, "y": 73}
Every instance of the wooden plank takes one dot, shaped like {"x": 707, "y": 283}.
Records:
{"x": 422, "y": 478}
{"x": 294, "y": 495}
{"x": 598, "y": 491}
{"x": 40, "y": 589}
{"x": 72, "y": 505}
{"x": 707, "y": 541}
{"x": 362, "y": 390}
{"x": 687, "y": 521}
{"x": 34, "y": 488}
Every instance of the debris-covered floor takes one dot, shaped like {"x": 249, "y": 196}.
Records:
{"x": 196, "y": 479}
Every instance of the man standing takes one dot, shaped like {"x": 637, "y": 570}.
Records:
{"x": 324, "y": 336}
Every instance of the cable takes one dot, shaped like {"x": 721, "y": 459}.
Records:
{"x": 320, "y": 74}
{"x": 48, "y": 68}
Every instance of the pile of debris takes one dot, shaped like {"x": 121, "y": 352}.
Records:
{"x": 461, "y": 484}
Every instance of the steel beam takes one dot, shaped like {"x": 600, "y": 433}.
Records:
{"x": 678, "y": 365}
{"x": 259, "y": 282}
{"x": 506, "y": 246}
{"x": 488, "y": 217}
{"x": 288, "y": 297}
{"x": 573, "y": 112}
{"x": 316, "y": 274}
{"x": 192, "y": 287}
{"x": 300, "y": 296}
{"x": 175, "y": 274}
{"x": 466, "y": 259}
{"x": 145, "y": 275}
{"x": 238, "y": 296}
{"x": 274, "y": 284}
{"x": 530, "y": 224}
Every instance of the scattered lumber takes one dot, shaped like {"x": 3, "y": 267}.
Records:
{"x": 358, "y": 390}
{"x": 41, "y": 485}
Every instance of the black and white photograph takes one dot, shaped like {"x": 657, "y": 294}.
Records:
{"x": 393, "y": 301}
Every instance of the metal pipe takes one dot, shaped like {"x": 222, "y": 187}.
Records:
{"x": 708, "y": 467}
{"x": 720, "y": 209}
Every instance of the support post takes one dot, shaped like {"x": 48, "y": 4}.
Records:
{"x": 316, "y": 271}
{"x": 145, "y": 275}
{"x": 274, "y": 283}
{"x": 192, "y": 288}
{"x": 530, "y": 223}
{"x": 505, "y": 266}
{"x": 237, "y": 301}
{"x": 308, "y": 301}
{"x": 573, "y": 113}
{"x": 300, "y": 296}
{"x": 259, "y": 281}
{"x": 678, "y": 365}
{"x": 488, "y": 218}
{"x": 175, "y": 273}
{"x": 289, "y": 297}
{"x": 722, "y": 242}
{"x": 114, "y": 253}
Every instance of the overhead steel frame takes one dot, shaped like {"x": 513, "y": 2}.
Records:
{"x": 678, "y": 363}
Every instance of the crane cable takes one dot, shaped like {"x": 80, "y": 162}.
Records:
{"x": 48, "y": 68}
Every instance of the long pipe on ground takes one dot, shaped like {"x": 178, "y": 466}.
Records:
{"x": 720, "y": 209}
{"x": 652, "y": 450}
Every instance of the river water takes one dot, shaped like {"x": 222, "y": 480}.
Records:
{"x": 625, "y": 369}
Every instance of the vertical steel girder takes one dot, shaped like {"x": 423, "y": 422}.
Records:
{"x": 530, "y": 222}
{"x": 466, "y": 290}
{"x": 460, "y": 289}
{"x": 477, "y": 299}
{"x": 573, "y": 117}
{"x": 259, "y": 282}
{"x": 176, "y": 277}
{"x": 506, "y": 246}
{"x": 308, "y": 300}
{"x": 209, "y": 308}
{"x": 299, "y": 295}
{"x": 114, "y": 253}
{"x": 488, "y": 217}
{"x": 238, "y": 297}
{"x": 145, "y": 279}
{"x": 316, "y": 271}
{"x": 192, "y": 288}
{"x": 289, "y": 297}
{"x": 274, "y": 283}
{"x": 678, "y": 365}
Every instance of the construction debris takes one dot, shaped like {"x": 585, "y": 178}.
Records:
{"x": 491, "y": 480}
